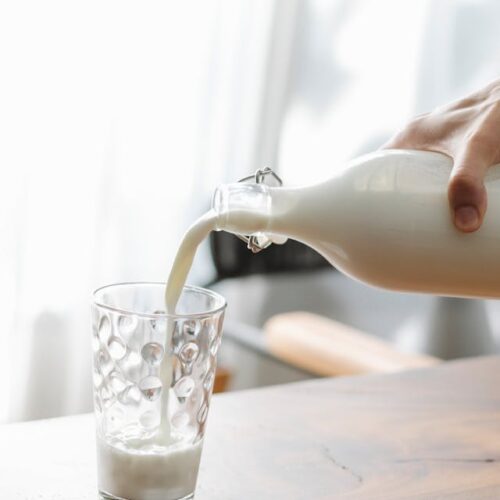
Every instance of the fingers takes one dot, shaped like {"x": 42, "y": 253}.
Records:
{"x": 466, "y": 191}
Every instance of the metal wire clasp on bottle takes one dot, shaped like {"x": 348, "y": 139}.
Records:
{"x": 269, "y": 178}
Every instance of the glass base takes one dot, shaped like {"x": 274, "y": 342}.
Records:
{"x": 106, "y": 496}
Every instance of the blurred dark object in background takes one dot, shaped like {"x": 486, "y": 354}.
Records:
{"x": 232, "y": 258}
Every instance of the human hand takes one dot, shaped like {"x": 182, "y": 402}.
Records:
{"x": 468, "y": 131}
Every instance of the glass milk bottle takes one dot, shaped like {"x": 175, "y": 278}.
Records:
{"x": 383, "y": 219}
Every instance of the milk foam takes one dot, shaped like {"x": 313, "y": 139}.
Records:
{"x": 136, "y": 474}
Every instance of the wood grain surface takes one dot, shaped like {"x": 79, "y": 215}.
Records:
{"x": 326, "y": 347}
{"x": 432, "y": 433}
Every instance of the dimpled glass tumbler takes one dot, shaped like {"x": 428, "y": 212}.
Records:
{"x": 153, "y": 376}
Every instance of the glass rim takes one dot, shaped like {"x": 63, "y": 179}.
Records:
{"x": 195, "y": 288}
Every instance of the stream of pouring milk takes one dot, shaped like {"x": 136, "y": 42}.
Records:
{"x": 175, "y": 283}
{"x": 243, "y": 221}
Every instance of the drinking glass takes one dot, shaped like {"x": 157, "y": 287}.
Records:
{"x": 153, "y": 375}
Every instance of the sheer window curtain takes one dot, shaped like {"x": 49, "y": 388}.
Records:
{"x": 117, "y": 120}
{"x": 361, "y": 69}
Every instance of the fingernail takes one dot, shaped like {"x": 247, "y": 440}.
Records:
{"x": 467, "y": 218}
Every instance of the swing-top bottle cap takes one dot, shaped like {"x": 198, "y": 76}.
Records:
{"x": 250, "y": 194}
{"x": 268, "y": 177}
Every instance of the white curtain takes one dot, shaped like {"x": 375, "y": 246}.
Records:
{"x": 361, "y": 69}
{"x": 117, "y": 120}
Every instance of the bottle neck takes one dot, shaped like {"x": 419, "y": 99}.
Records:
{"x": 251, "y": 209}
{"x": 242, "y": 208}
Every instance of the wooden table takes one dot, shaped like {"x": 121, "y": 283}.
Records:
{"x": 425, "y": 434}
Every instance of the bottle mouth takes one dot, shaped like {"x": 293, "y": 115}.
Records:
{"x": 245, "y": 210}
{"x": 219, "y": 199}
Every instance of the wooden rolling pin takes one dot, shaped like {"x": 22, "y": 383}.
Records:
{"x": 326, "y": 347}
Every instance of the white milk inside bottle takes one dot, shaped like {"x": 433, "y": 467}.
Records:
{"x": 384, "y": 220}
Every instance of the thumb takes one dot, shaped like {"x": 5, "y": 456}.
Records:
{"x": 466, "y": 191}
